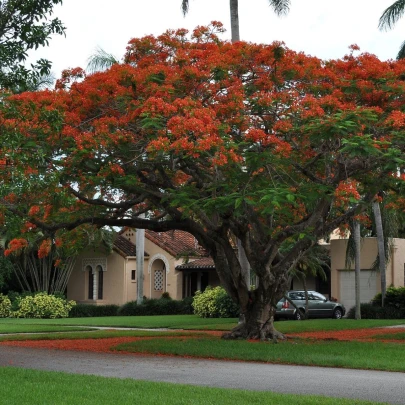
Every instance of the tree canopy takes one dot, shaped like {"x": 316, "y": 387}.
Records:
{"x": 226, "y": 141}
{"x": 25, "y": 25}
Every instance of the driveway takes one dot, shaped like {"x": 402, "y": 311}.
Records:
{"x": 342, "y": 383}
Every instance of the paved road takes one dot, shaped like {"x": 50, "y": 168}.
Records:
{"x": 359, "y": 384}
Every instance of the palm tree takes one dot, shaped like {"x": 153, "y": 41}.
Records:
{"x": 381, "y": 248}
{"x": 385, "y": 226}
{"x": 356, "y": 237}
{"x": 389, "y": 18}
{"x": 280, "y": 7}
{"x": 100, "y": 61}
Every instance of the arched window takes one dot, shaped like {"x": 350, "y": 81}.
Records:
{"x": 100, "y": 282}
{"x": 95, "y": 268}
{"x": 91, "y": 282}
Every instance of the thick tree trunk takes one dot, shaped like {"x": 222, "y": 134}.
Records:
{"x": 258, "y": 324}
{"x": 258, "y": 315}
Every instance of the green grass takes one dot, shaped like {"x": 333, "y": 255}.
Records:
{"x": 31, "y": 387}
{"x": 363, "y": 355}
{"x": 396, "y": 336}
{"x": 313, "y": 325}
{"x": 194, "y": 322}
{"x": 166, "y": 321}
{"x": 385, "y": 356}
{"x": 95, "y": 334}
{"x": 26, "y": 328}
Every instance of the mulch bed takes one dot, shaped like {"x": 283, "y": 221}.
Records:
{"x": 368, "y": 335}
{"x": 103, "y": 345}
{"x": 106, "y": 345}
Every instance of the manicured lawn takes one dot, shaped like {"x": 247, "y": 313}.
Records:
{"x": 397, "y": 336}
{"x": 313, "y": 325}
{"x": 37, "y": 387}
{"x": 95, "y": 334}
{"x": 166, "y": 321}
{"x": 30, "y": 387}
{"x": 362, "y": 355}
{"x": 296, "y": 350}
{"x": 194, "y": 322}
{"x": 27, "y": 328}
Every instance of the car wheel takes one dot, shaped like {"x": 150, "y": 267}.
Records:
{"x": 337, "y": 313}
{"x": 297, "y": 315}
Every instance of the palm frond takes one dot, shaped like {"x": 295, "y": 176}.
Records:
{"x": 101, "y": 60}
{"x": 312, "y": 263}
{"x": 281, "y": 7}
{"x": 401, "y": 53}
{"x": 391, "y": 15}
{"x": 184, "y": 6}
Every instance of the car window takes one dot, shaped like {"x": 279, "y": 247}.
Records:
{"x": 297, "y": 295}
{"x": 318, "y": 296}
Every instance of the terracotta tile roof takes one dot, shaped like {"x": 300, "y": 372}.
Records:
{"x": 204, "y": 263}
{"x": 124, "y": 246}
{"x": 177, "y": 243}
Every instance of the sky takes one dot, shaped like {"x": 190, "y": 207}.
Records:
{"x": 322, "y": 28}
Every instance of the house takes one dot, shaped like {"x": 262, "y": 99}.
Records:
{"x": 173, "y": 263}
{"x": 342, "y": 278}
{"x": 176, "y": 264}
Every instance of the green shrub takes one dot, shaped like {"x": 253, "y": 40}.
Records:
{"x": 5, "y": 306}
{"x": 394, "y": 298}
{"x": 186, "y": 306}
{"x": 372, "y": 311}
{"x": 162, "y": 306}
{"x": 128, "y": 309}
{"x": 90, "y": 310}
{"x": 42, "y": 305}
{"x": 15, "y": 298}
{"x": 214, "y": 303}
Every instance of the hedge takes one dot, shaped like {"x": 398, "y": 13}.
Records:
{"x": 161, "y": 306}
{"x": 90, "y": 310}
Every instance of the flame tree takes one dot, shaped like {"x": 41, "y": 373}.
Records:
{"x": 226, "y": 141}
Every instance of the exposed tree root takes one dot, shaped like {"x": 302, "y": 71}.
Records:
{"x": 257, "y": 332}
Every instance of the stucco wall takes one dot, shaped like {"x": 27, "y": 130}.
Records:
{"x": 394, "y": 267}
{"x": 113, "y": 280}
{"x": 154, "y": 261}
{"x": 398, "y": 263}
{"x": 119, "y": 287}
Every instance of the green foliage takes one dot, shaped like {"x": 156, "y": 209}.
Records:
{"x": 214, "y": 303}
{"x": 89, "y": 310}
{"x": 15, "y": 298}
{"x": 371, "y": 311}
{"x": 5, "y": 306}
{"x": 42, "y": 305}
{"x": 6, "y": 269}
{"x": 394, "y": 298}
{"x": 25, "y": 25}
{"x": 20, "y": 386}
{"x": 394, "y": 306}
{"x": 162, "y": 306}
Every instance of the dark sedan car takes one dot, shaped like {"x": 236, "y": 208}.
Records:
{"x": 318, "y": 306}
